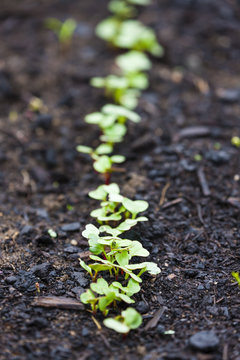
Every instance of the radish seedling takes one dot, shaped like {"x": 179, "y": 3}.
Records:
{"x": 129, "y": 34}
{"x": 64, "y": 30}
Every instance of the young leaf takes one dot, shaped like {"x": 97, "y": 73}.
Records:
{"x": 116, "y": 325}
{"x": 122, "y": 258}
{"x": 100, "y": 287}
{"x": 136, "y": 206}
{"x": 133, "y": 62}
{"x": 120, "y": 111}
{"x": 85, "y": 267}
{"x": 132, "y": 318}
{"x": 84, "y": 149}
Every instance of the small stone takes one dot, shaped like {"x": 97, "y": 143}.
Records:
{"x": 75, "y": 226}
{"x": 43, "y": 121}
{"x": 26, "y": 230}
{"x": 51, "y": 157}
{"x": 205, "y": 341}
{"x": 41, "y": 270}
{"x": 161, "y": 329}
{"x": 71, "y": 249}
{"x": 142, "y": 307}
{"x": 39, "y": 323}
{"x": 218, "y": 157}
{"x": 11, "y": 279}
{"x": 229, "y": 95}
{"x": 85, "y": 331}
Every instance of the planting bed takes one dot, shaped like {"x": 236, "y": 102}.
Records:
{"x": 179, "y": 159}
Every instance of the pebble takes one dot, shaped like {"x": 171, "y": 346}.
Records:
{"x": 229, "y": 95}
{"x": 43, "y": 121}
{"x": 41, "y": 270}
{"x": 75, "y": 226}
{"x": 26, "y": 230}
{"x": 204, "y": 341}
{"x": 11, "y": 279}
{"x": 218, "y": 157}
{"x": 142, "y": 307}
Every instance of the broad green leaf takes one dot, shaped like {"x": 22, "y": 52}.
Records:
{"x": 90, "y": 229}
{"x": 116, "y": 325}
{"x": 98, "y": 194}
{"x": 107, "y": 28}
{"x": 133, "y": 287}
{"x": 102, "y": 164}
{"x": 87, "y": 297}
{"x": 133, "y": 62}
{"x": 106, "y": 300}
{"x": 122, "y": 258}
{"x": 136, "y": 206}
{"x": 67, "y": 30}
{"x": 100, "y": 287}
{"x": 132, "y": 318}
{"x": 104, "y": 149}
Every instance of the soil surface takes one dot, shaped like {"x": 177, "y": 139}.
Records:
{"x": 179, "y": 158}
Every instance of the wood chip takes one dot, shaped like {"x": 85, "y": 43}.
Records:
{"x": 155, "y": 319}
{"x": 60, "y": 302}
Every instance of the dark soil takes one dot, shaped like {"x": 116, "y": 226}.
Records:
{"x": 191, "y": 108}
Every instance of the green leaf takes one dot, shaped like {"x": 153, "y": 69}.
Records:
{"x": 89, "y": 230}
{"x": 122, "y": 258}
{"x": 98, "y": 194}
{"x": 100, "y": 287}
{"x": 133, "y": 62}
{"x": 136, "y": 206}
{"x": 136, "y": 249}
{"x": 126, "y": 299}
{"x": 85, "y": 267}
{"x": 104, "y": 149}
{"x": 116, "y": 325}
{"x": 67, "y": 30}
{"x": 114, "y": 133}
{"x": 132, "y": 318}
{"x": 120, "y": 111}
{"x": 87, "y": 297}
{"x": 133, "y": 287}
{"x": 106, "y": 300}
{"x": 107, "y": 28}
{"x": 102, "y": 164}
{"x": 97, "y": 82}
{"x": 118, "y": 158}
{"x": 84, "y": 149}
{"x": 109, "y": 230}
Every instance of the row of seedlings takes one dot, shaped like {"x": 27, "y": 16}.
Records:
{"x": 111, "y": 252}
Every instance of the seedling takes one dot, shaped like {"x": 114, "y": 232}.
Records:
{"x": 121, "y": 9}
{"x": 128, "y": 320}
{"x": 52, "y": 233}
{"x": 129, "y": 34}
{"x": 235, "y": 141}
{"x": 64, "y": 30}
{"x": 236, "y": 277}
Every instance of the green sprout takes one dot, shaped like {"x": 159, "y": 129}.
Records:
{"x": 235, "y": 141}
{"x": 128, "y": 320}
{"x": 64, "y": 30}
{"x": 236, "y": 277}
{"x": 121, "y": 9}
{"x": 52, "y": 233}
{"x": 129, "y": 34}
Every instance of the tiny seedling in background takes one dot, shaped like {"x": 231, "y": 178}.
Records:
{"x": 236, "y": 276}
{"x": 52, "y": 233}
{"x": 235, "y": 141}
{"x": 63, "y": 29}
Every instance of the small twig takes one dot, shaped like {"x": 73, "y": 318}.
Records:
{"x": 155, "y": 319}
{"x": 163, "y": 194}
{"x": 203, "y": 182}
{"x": 172, "y": 203}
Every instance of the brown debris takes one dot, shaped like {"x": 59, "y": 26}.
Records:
{"x": 58, "y": 302}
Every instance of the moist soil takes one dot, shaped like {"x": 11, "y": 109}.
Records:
{"x": 179, "y": 158}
